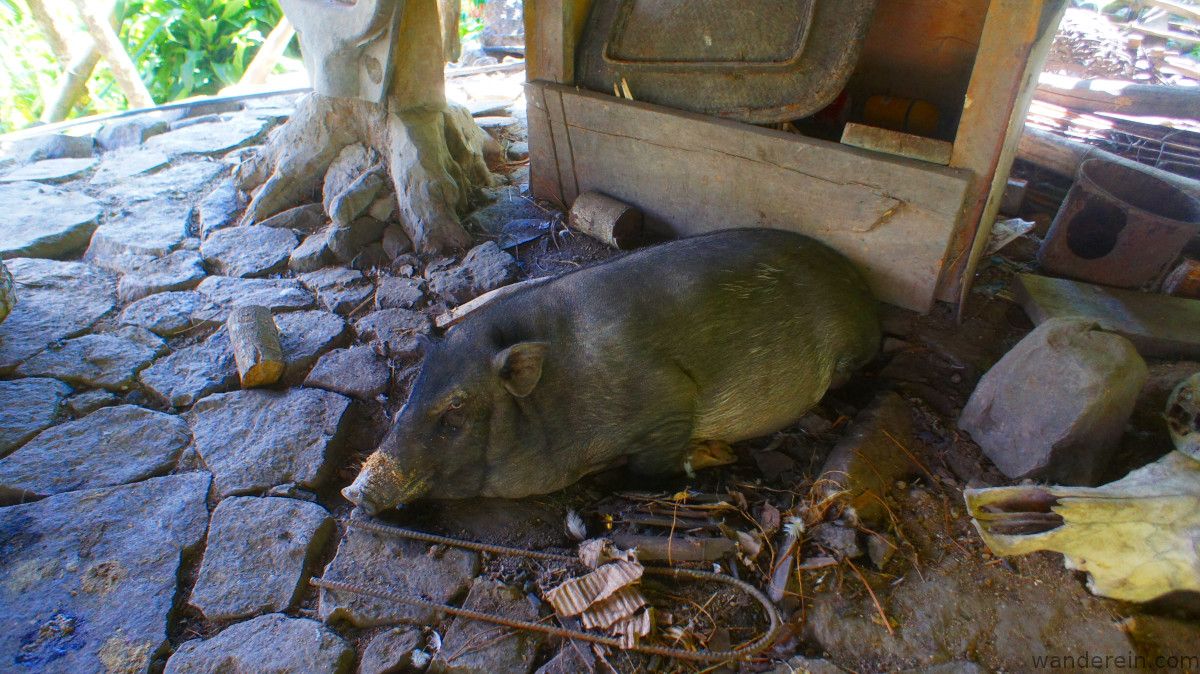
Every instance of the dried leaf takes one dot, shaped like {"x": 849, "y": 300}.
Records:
{"x": 599, "y": 551}
{"x": 604, "y": 614}
{"x": 813, "y": 563}
{"x": 769, "y": 519}
{"x": 576, "y": 595}
{"x": 633, "y": 628}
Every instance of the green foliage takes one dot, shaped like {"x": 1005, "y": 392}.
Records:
{"x": 470, "y": 21}
{"x": 27, "y": 66}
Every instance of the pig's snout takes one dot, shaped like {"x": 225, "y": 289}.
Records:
{"x": 382, "y": 485}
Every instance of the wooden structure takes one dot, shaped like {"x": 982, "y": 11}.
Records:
{"x": 916, "y": 228}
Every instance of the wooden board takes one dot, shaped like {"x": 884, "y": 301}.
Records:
{"x": 894, "y": 142}
{"x": 1158, "y": 325}
{"x": 694, "y": 174}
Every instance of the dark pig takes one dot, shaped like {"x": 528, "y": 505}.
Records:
{"x": 657, "y": 359}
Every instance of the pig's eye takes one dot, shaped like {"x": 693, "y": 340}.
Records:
{"x": 452, "y": 419}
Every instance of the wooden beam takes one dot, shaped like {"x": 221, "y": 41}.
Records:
{"x": 1055, "y": 153}
{"x": 1119, "y": 97}
{"x": 553, "y": 29}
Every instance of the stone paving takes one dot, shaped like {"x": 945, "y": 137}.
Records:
{"x": 142, "y": 492}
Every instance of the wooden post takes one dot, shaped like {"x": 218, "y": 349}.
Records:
{"x": 256, "y": 348}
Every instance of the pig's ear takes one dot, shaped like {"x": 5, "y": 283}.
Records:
{"x": 520, "y": 367}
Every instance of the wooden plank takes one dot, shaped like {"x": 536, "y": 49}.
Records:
{"x": 693, "y": 174}
{"x": 1166, "y": 33}
{"x": 1116, "y": 96}
{"x": 897, "y": 143}
{"x": 552, "y": 31}
{"x": 1158, "y": 325}
{"x": 1175, "y": 7}
{"x": 545, "y": 182}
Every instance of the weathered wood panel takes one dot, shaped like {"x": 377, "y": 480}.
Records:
{"x": 892, "y": 216}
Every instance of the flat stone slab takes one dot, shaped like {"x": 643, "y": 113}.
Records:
{"x": 190, "y": 373}
{"x": 144, "y": 228}
{"x": 399, "y": 292}
{"x": 277, "y": 295}
{"x": 171, "y": 313}
{"x": 220, "y": 207}
{"x": 181, "y": 270}
{"x": 43, "y": 221}
{"x": 125, "y": 164}
{"x": 271, "y": 643}
{"x": 27, "y": 407}
{"x": 257, "y": 552}
{"x": 209, "y": 138}
{"x": 398, "y": 565}
{"x": 89, "y": 577}
{"x": 180, "y": 182}
{"x": 50, "y": 170}
{"x": 304, "y": 337}
{"x": 396, "y": 331}
{"x": 391, "y": 651}
{"x": 111, "y": 446}
{"x": 485, "y": 267}
{"x": 109, "y": 360}
{"x": 52, "y": 146}
{"x": 248, "y": 251}
{"x": 82, "y": 404}
{"x": 253, "y": 440}
{"x": 56, "y": 300}
{"x": 472, "y": 647}
{"x": 358, "y": 372}
{"x": 338, "y": 289}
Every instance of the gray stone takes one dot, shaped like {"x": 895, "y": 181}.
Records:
{"x": 391, "y": 651}
{"x": 518, "y": 151}
{"x": 358, "y": 372}
{"x": 57, "y": 300}
{"x": 1055, "y": 406}
{"x": 472, "y": 647}
{"x": 338, "y": 289}
{"x": 572, "y": 658}
{"x": 119, "y": 166}
{"x": 365, "y": 558}
{"x": 396, "y": 331}
{"x": 82, "y": 404}
{"x": 129, "y": 132}
{"x": 802, "y": 665}
{"x": 495, "y": 122}
{"x": 351, "y": 162}
{"x": 255, "y": 439}
{"x": 309, "y": 218}
{"x": 957, "y": 667}
{"x": 144, "y": 228}
{"x": 89, "y": 578}
{"x": 304, "y": 337}
{"x": 211, "y": 138}
{"x": 180, "y": 270}
{"x": 257, "y": 552}
{"x": 50, "y": 170}
{"x": 281, "y": 294}
{"x": 395, "y": 241}
{"x": 180, "y": 182}
{"x": 111, "y": 446}
{"x": 312, "y": 253}
{"x": 836, "y": 540}
{"x": 271, "y": 643}
{"x": 508, "y": 206}
{"x": 43, "y": 221}
{"x": 171, "y": 313}
{"x": 371, "y": 256}
{"x": 484, "y": 268}
{"x": 27, "y": 407}
{"x": 248, "y": 251}
{"x": 189, "y": 374}
{"x": 52, "y": 146}
{"x": 108, "y": 360}
{"x": 398, "y": 292}
{"x": 220, "y": 207}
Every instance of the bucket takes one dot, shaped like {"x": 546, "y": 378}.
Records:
{"x": 1120, "y": 225}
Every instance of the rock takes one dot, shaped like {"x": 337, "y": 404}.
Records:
{"x": 801, "y": 665}
{"x": 220, "y": 207}
{"x": 366, "y": 558}
{"x": 773, "y": 464}
{"x": 275, "y": 294}
{"x": 508, "y": 206}
{"x": 312, "y": 253}
{"x": 181, "y": 182}
{"x": 484, "y": 268}
{"x": 8, "y": 293}
{"x": 573, "y": 657}
{"x": 383, "y": 208}
{"x": 881, "y": 548}
{"x": 108, "y": 360}
{"x": 111, "y": 446}
{"x": 125, "y": 164}
{"x": 956, "y": 667}
{"x": 495, "y": 122}
{"x": 82, "y": 404}
{"x": 351, "y": 162}
{"x": 27, "y": 407}
{"x": 398, "y": 292}
{"x": 212, "y": 138}
{"x": 309, "y": 218}
{"x": 1054, "y": 407}
{"x": 305, "y": 336}
{"x": 144, "y": 228}
{"x": 271, "y": 643}
{"x": 57, "y": 300}
{"x": 255, "y": 439}
{"x": 838, "y": 541}
{"x": 338, "y": 289}
{"x": 52, "y": 146}
{"x": 395, "y": 241}
{"x": 180, "y": 270}
{"x": 50, "y": 170}
{"x": 248, "y": 251}
{"x": 43, "y": 221}
{"x": 391, "y": 651}
{"x": 472, "y": 647}
{"x": 357, "y": 372}
{"x": 189, "y": 374}
{"x": 1152, "y": 400}
{"x": 257, "y": 552}
{"x": 371, "y": 256}
{"x": 396, "y": 331}
{"x": 171, "y": 313}
{"x": 518, "y": 151}
{"x": 89, "y": 577}
{"x": 129, "y": 132}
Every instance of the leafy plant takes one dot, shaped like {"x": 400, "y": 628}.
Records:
{"x": 27, "y": 66}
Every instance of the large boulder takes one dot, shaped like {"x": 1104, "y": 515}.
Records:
{"x": 1054, "y": 407}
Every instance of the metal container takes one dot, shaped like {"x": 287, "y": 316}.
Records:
{"x": 1120, "y": 225}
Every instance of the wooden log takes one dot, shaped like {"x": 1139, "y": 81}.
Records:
{"x": 1166, "y": 33}
{"x": 268, "y": 55}
{"x": 897, "y": 143}
{"x": 675, "y": 548}
{"x": 608, "y": 220}
{"x": 256, "y": 347}
{"x": 113, "y": 51}
{"x": 74, "y": 81}
{"x": 1118, "y": 97}
{"x": 457, "y": 314}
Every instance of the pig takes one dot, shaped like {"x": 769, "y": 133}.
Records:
{"x": 656, "y": 360}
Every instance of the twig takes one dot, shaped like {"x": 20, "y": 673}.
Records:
{"x": 878, "y": 606}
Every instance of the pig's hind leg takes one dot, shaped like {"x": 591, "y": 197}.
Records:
{"x": 663, "y": 450}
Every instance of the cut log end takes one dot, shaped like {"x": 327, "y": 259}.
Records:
{"x": 605, "y": 219}
{"x": 256, "y": 346}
